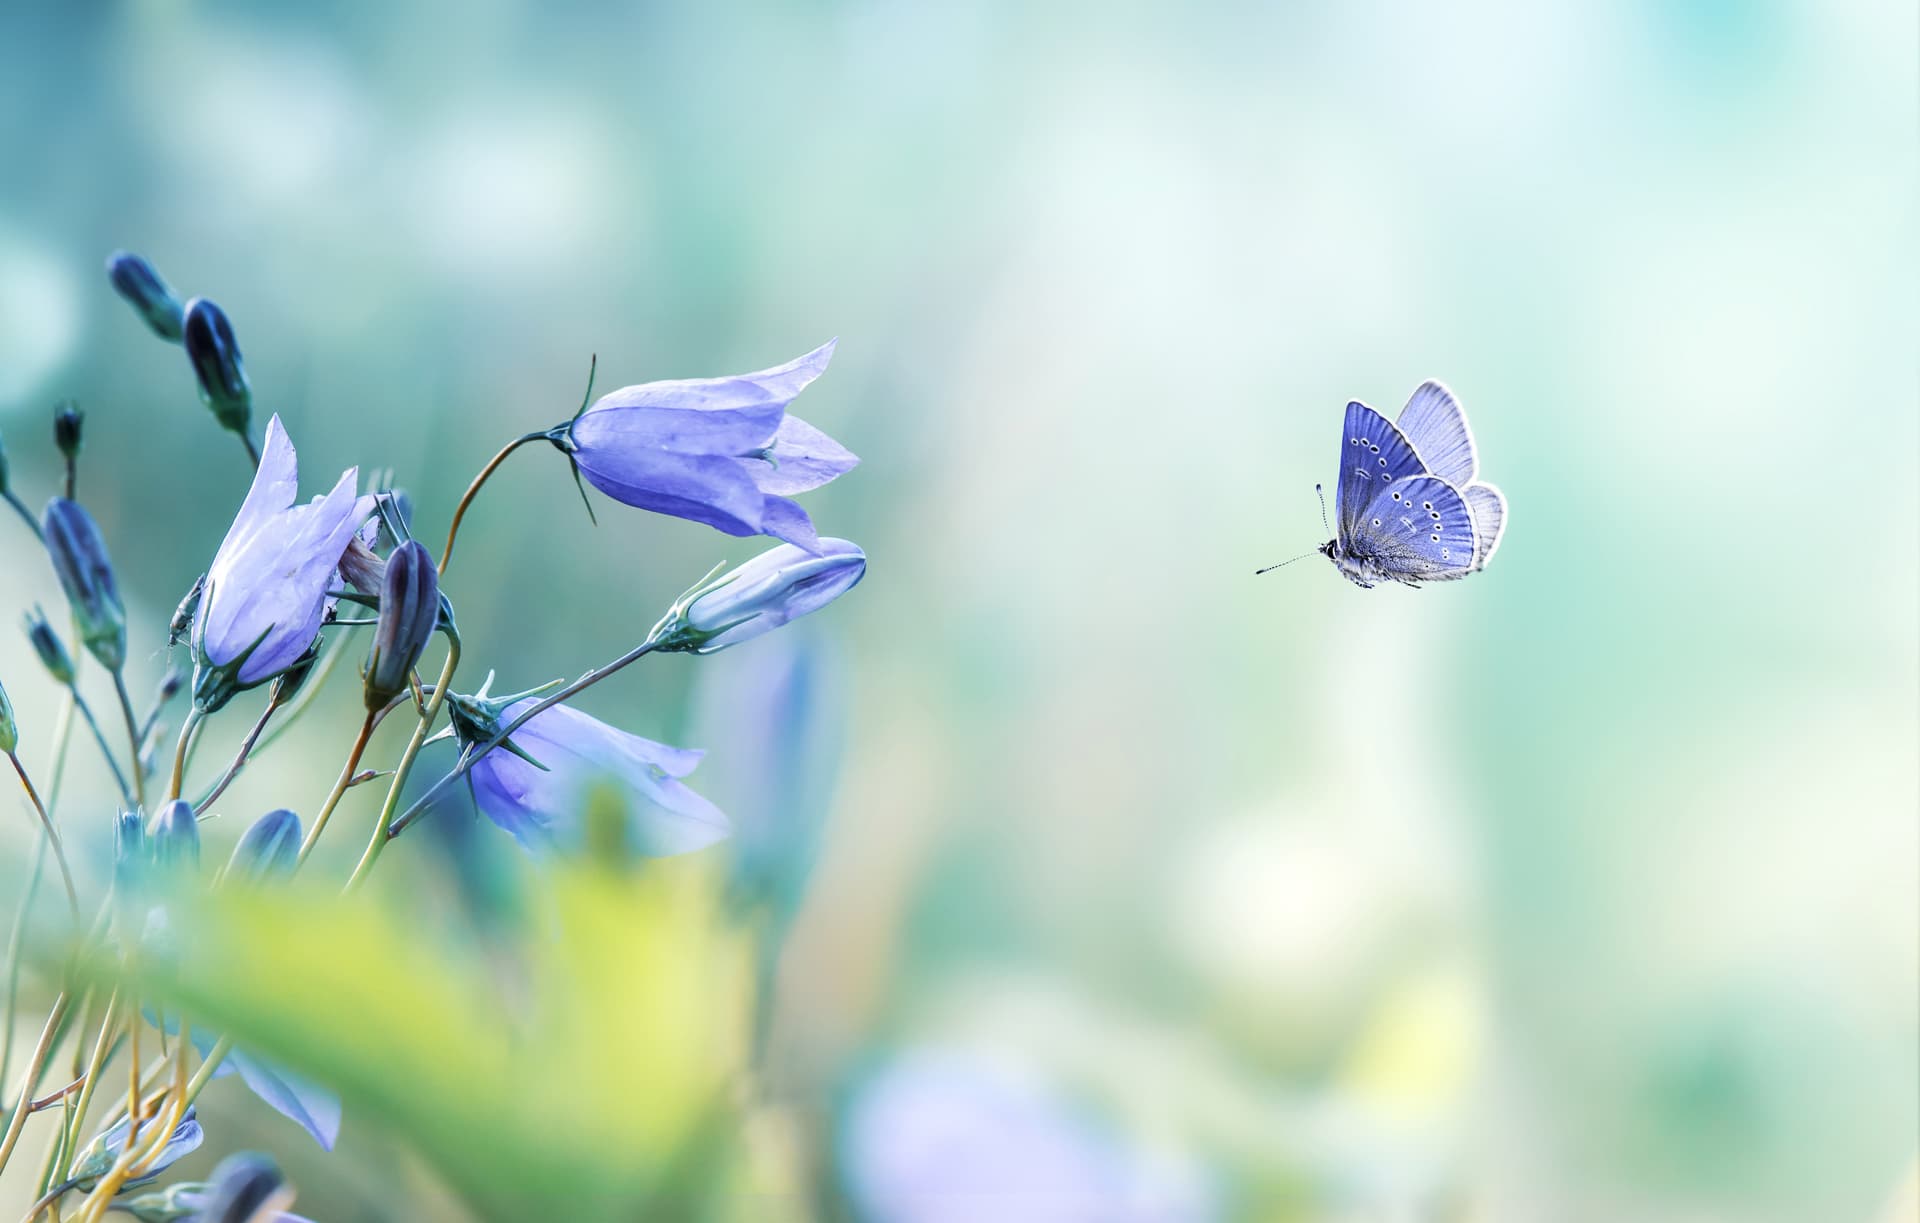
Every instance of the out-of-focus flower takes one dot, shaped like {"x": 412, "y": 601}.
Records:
{"x": 80, "y": 559}
{"x": 269, "y": 847}
{"x": 722, "y": 451}
{"x": 773, "y": 588}
{"x": 99, "y": 1156}
{"x": 187, "y": 1202}
{"x": 215, "y": 355}
{"x": 47, "y": 644}
{"x": 244, "y": 1188}
{"x": 174, "y": 836}
{"x": 136, "y": 280}
{"x": 540, "y": 803}
{"x": 129, "y": 851}
{"x": 68, "y": 420}
{"x": 267, "y": 588}
{"x": 409, "y": 611}
{"x": 9, "y": 729}
{"x": 947, "y": 1137}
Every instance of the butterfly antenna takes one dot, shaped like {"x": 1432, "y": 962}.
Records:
{"x": 1283, "y": 564}
{"x": 1322, "y": 494}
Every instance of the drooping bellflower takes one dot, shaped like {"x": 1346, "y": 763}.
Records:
{"x": 215, "y": 354}
{"x": 722, "y": 451}
{"x": 540, "y": 804}
{"x": 409, "y": 611}
{"x": 266, "y": 590}
{"x": 147, "y": 292}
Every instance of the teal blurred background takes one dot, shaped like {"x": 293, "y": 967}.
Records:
{"x": 1582, "y": 890}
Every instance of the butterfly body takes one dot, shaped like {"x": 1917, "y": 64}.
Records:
{"x": 1411, "y": 506}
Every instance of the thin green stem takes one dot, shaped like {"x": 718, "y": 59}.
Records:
{"x": 239, "y": 760}
{"x": 472, "y": 756}
{"x": 53, "y": 836}
{"x": 16, "y": 939}
{"x": 36, "y": 1066}
{"x": 253, "y": 455}
{"x": 26, "y": 515}
{"x": 133, "y": 737}
{"x": 339, "y": 787}
{"x": 179, "y": 775}
{"x": 473, "y": 490}
{"x": 106, "y": 749}
{"x": 378, "y": 841}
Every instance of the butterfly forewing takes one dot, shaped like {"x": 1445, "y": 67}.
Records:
{"x": 1419, "y": 531}
{"x": 1436, "y": 425}
{"x": 1375, "y": 458}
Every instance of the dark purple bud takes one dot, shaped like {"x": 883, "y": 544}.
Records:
{"x": 175, "y": 836}
{"x": 409, "y": 612}
{"x": 134, "y": 279}
{"x": 80, "y": 559}
{"x": 270, "y": 847}
{"x": 216, "y": 362}
{"x": 47, "y": 644}
{"x": 67, "y": 418}
{"x": 243, "y": 1188}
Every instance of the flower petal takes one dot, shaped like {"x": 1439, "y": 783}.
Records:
{"x": 803, "y": 458}
{"x": 777, "y": 385}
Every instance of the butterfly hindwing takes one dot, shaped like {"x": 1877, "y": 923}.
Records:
{"x": 1374, "y": 457}
{"x": 1420, "y": 530}
{"x": 1489, "y": 506}
{"x": 1436, "y": 425}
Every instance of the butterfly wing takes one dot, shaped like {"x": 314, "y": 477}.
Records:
{"x": 1374, "y": 458}
{"x": 1489, "y": 506}
{"x": 1418, "y": 530}
{"x": 1436, "y": 425}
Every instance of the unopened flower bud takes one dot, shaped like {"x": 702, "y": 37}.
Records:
{"x": 67, "y": 418}
{"x": 80, "y": 559}
{"x": 244, "y": 1188}
{"x": 134, "y": 279}
{"x": 270, "y": 847}
{"x": 9, "y": 729}
{"x": 288, "y": 683}
{"x": 129, "y": 852}
{"x": 409, "y": 612}
{"x": 773, "y": 588}
{"x": 47, "y": 644}
{"x": 175, "y": 836}
{"x": 216, "y": 362}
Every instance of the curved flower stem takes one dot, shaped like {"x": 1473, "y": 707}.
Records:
{"x": 239, "y": 760}
{"x": 16, "y": 940}
{"x": 26, "y": 515}
{"x": 381, "y": 827}
{"x": 188, "y": 725}
{"x": 339, "y": 787}
{"x": 472, "y": 756}
{"x": 53, "y": 837}
{"x": 133, "y": 738}
{"x": 473, "y": 490}
{"x": 36, "y": 1066}
{"x": 106, "y": 749}
{"x": 303, "y": 701}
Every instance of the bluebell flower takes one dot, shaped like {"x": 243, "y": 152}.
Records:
{"x": 144, "y": 289}
{"x": 173, "y": 836}
{"x": 722, "y": 451}
{"x": 80, "y": 560}
{"x": 266, "y": 591}
{"x": 777, "y": 586}
{"x": 188, "y": 1202}
{"x": 540, "y": 803}
{"x": 99, "y": 1156}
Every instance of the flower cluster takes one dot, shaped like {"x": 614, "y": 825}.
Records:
{"x": 274, "y": 612}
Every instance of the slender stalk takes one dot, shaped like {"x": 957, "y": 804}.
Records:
{"x": 187, "y": 727}
{"x": 239, "y": 760}
{"x": 26, "y": 515}
{"x": 339, "y": 787}
{"x": 106, "y": 749}
{"x": 422, "y": 728}
{"x": 53, "y": 837}
{"x": 309, "y": 692}
{"x": 473, "y": 490}
{"x": 36, "y": 1065}
{"x": 253, "y": 456}
{"x": 472, "y": 756}
{"x": 16, "y": 939}
{"x": 133, "y": 737}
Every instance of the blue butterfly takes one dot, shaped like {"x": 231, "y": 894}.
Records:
{"x": 1411, "y": 506}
